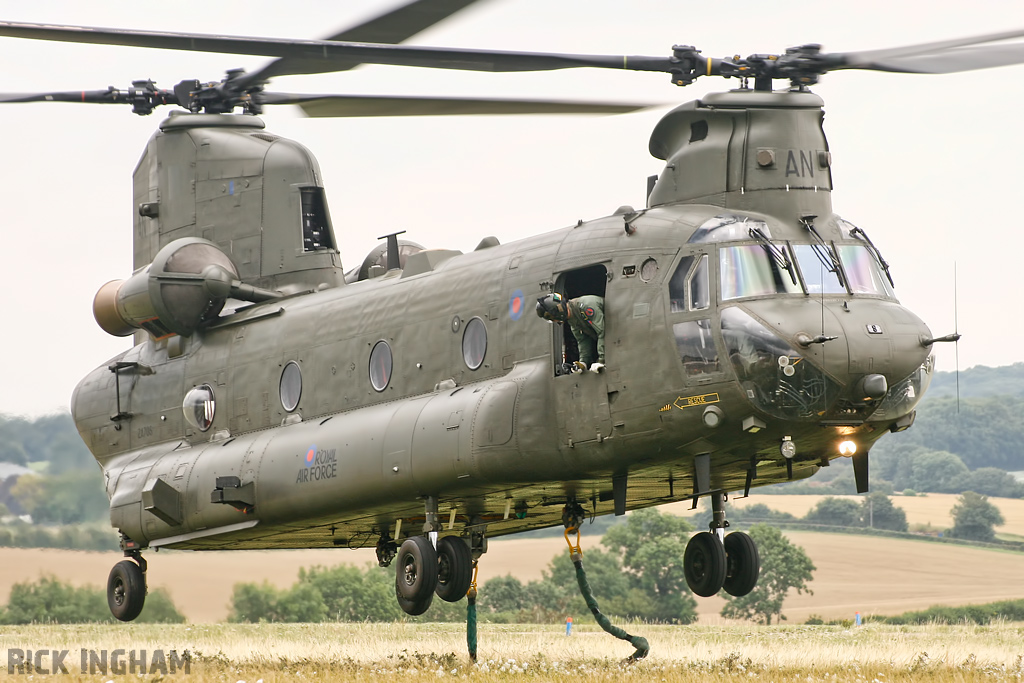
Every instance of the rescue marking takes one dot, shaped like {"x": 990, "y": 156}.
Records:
{"x": 689, "y": 401}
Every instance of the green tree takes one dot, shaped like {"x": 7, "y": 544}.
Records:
{"x": 503, "y": 594}
{"x": 67, "y": 498}
{"x": 975, "y": 518}
{"x": 50, "y": 601}
{"x": 878, "y": 512}
{"x": 834, "y": 511}
{"x": 784, "y": 566}
{"x": 650, "y": 546}
{"x": 354, "y": 594}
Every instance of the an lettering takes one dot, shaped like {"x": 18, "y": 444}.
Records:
{"x": 802, "y": 169}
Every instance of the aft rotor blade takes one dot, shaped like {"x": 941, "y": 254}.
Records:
{"x": 947, "y": 56}
{"x": 395, "y": 26}
{"x": 374, "y": 105}
{"x": 328, "y": 53}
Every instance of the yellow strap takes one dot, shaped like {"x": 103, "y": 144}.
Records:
{"x": 576, "y": 548}
{"x": 709, "y": 66}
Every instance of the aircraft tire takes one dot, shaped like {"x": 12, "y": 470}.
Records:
{"x": 704, "y": 564}
{"x": 742, "y": 562}
{"x": 454, "y": 568}
{"x": 126, "y": 590}
{"x": 413, "y": 608}
{"x": 416, "y": 574}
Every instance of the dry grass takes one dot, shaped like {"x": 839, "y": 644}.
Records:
{"x": 349, "y": 652}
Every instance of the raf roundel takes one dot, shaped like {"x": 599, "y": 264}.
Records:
{"x": 310, "y": 456}
{"x": 516, "y": 305}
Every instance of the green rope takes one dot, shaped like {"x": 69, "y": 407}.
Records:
{"x": 471, "y": 624}
{"x": 639, "y": 642}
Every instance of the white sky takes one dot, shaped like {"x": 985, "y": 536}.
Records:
{"x": 930, "y": 166}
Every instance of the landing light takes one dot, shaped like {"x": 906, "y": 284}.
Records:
{"x": 847, "y": 448}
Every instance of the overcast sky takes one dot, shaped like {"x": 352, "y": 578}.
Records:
{"x": 930, "y": 166}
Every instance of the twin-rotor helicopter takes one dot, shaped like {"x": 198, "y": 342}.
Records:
{"x": 414, "y": 402}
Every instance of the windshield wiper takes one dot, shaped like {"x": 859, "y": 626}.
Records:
{"x": 780, "y": 256}
{"x": 877, "y": 255}
{"x": 825, "y": 255}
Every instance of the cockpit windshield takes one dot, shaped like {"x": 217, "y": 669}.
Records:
{"x": 820, "y": 275}
{"x": 863, "y": 272}
{"x": 749, "y": 270}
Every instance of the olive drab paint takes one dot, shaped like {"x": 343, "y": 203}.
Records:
{"x": 697, "y": 396}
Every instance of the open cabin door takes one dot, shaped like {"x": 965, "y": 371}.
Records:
{"x": 581, "y": 400}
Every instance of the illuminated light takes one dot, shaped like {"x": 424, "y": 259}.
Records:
{"x": 787, "y": 448}
{"x": 847, "y": 448}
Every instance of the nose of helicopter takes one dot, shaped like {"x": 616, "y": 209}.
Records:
{"x": 868, "y": 346}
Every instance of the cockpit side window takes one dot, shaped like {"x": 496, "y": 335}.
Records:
{"x": 690, "y": 286}
{"x": 677, "y": 285}
{"x": 700, "y": 286}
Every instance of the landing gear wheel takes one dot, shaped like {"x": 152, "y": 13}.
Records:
{"x": 416, "y": 575}
{"x": 412, "y": 607}
{"x": 704, "y": 564}
{"x": 454, "y": 568}
{"x": 126, "y": 590}
{"x": 742, "y": 562}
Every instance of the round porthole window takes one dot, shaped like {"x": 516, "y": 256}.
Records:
{"x": 648, "y": 269}
{"x": 199, "y": 407}
{"x": 291, "y": 386}
{"x": 474, "y": 343}
{"x": 380, "y": 365}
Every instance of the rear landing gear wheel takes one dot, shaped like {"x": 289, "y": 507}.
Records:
{"x": 704, "y": 564}
{"x": 743, "y": 564}
{"x": 416, "y": 575}
{"x": 126, "y": 590}
{"x": 454, "y": 568}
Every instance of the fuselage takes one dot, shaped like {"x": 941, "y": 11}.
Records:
{"x": 749, "y": 331}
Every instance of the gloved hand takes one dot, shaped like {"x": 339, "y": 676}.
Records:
{"x": 578, "y": 367}
{"x": 597, "y": 367}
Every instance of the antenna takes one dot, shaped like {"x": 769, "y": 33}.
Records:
{"x": 956, "y": 345}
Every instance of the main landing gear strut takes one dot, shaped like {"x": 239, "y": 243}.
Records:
{"x": 126, "y": 585}
{"x": 713, "y": 561}
{"x": 429, "y": 566}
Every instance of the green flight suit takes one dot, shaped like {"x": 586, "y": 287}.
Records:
{"x": 586, "y": 320}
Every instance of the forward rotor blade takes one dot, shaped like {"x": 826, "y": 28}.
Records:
{"x": 374, "y": 105}
{"x": 108, "y": 96}
{"x": 328, "y": 54}
{"x": 947, "y": 56}
{"x": 391, "y": 28}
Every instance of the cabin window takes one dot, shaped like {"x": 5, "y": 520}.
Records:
{"x": 728, "y": 228}
{"x": 474, "y": 343}
{"x": 690, "y": 288}
{"x": 200, "y": 407}
{"x": 291, "y": 386}
{"x": 750, "y": 270}
{"x": 380, "y": 365}
{"x": 316, "y": 227}
{"x": 677, "y": 285}
{"x": 696, "y": 347}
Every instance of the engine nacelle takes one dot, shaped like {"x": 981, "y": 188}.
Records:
{"x": 185, "y": 285}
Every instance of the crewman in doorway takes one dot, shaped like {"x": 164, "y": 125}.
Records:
{"x": 585, "y": 315}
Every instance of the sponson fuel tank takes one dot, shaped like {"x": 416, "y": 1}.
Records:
{"x": 452, "y": 439}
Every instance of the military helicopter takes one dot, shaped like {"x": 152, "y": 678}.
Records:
{"x": 274, "y": 400}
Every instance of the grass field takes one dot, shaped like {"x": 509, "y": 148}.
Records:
{"x": 354, "y": 652}
{"x": 854, "y": 573}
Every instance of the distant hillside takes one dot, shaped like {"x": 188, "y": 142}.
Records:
{"x": 979, "y": 381}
